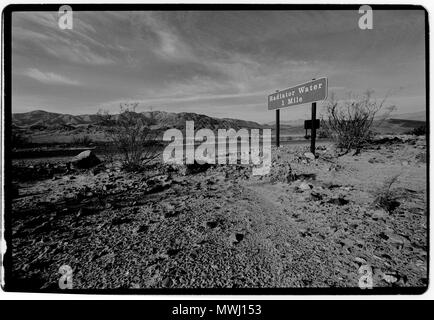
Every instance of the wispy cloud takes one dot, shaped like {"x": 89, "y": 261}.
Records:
{"x": 49, "y": 77}
{"x": 221, "y": 63}
{"x": 39, "y": 33}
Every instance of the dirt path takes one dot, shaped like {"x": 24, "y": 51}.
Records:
{"x": 298, "y": 262}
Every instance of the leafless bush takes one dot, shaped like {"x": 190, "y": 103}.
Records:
{"x": 82, "y": 140}
{"x": 19, "y": 140}
{"x": 349, "y": 123}
{"x": 418, "y": 131}
{"x": 131, "y": 136}
{"x": 322, "y": 132}
{"x": 386, "y": 198}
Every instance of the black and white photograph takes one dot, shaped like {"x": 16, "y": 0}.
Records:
{"x": 215, "y": 149}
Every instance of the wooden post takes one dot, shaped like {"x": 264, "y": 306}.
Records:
{"x": 277, "y": 127}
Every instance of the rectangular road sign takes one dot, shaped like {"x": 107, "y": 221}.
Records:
{"x": 308, "y": 124}
{"x": 314, "y": 90}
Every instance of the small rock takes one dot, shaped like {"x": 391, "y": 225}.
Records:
{"x": 396, "y": 241}
{"x": 211, "y": 224}
{"x": 85, "y": 160}
{"x": 379, "y": 214}
{"x": 315, "y": 196}
{"x": 309, "y": 155}
{"x": 168, "y": 206}
{"x": 421, "y": 157}
{"x": 83, "y": 212}
{"x": 196, "y": 167}
{"x": 304, "y": 186}
{"x": 236, "y": 238}
{"x": 390, "y": 278}
{"x": 108, "y": 186}
{"x": 360, "y": 260}
{"x": 142, "y": 228}
{"x": 332, "y": 186}
{"x": 375, "y": 160}
{"x": 120, "y": 220}
{"x": 173, "y": 252}
{"x": 98, "y": 169}
{"x": 338, "y": 201}
{"x": 158, "y": 183}
{"x": 167, "y": 282}
{"x": 383, "y": 236}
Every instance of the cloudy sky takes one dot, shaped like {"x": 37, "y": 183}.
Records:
{"x": 222, "y": 64}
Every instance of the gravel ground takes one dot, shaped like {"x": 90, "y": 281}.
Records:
{"x": 309, "y": 223}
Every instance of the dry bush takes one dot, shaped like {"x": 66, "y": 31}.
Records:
{"x": 82, "y": 140}
{"x": 131, "y": 136}
{"x": 19, "y": 140}
{"x": 419, "y": 131}
{"x": 349, "y": 123}
{"x": 386, "y": 198}
{"x": 322, "y": 132}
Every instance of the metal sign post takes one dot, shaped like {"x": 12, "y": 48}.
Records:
{"x": 277, "y": 127}
{"x": 313, "y": 130}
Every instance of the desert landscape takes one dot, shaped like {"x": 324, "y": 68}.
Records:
{"x": 311, "y": 222}
{"x": 249, "y": 150}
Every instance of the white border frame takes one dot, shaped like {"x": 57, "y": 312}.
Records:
{"x": 428, "y": 295}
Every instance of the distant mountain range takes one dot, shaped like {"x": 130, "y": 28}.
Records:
{"x": 160, "y": 120}
{"x": 41, "y": 120}
{"x": 413, "y": 116}
{"x": 416, "y": 116}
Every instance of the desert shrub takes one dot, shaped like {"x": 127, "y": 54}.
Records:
{"x": 19, "y": 140}
{"x": 107, "y": 153}
{"x": 131, "y": 136}
{"x": 349, "y": 123}
{"x": 419, "y": 131}
{"x": 82, "y": 140}
{"x": 421, "y": 157}
{"x": 282, "y": 172}
{"x": 386, "y": 198}
{"x": 322, "y": 132}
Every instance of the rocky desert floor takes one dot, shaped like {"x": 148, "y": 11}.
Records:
{"x": 312, "y": 222}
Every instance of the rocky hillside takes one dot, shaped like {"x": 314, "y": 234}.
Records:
{"x": 41, "y": 120}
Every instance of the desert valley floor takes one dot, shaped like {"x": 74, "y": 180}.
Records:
{"x": 309, "y": 223}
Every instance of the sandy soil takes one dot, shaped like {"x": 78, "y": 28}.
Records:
{"x": 309, "y": 223}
